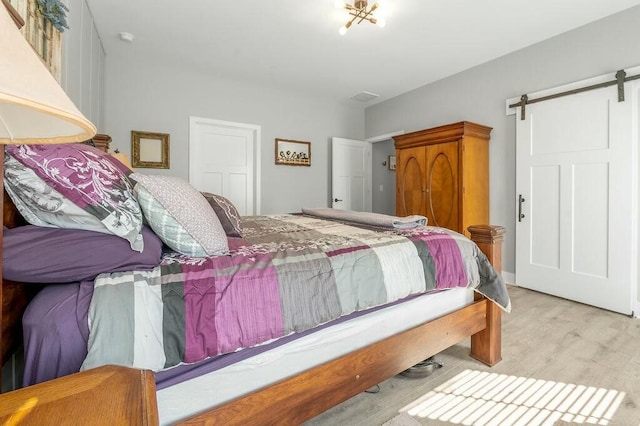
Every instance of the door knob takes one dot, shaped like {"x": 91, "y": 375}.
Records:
{"x": 335, "y": 200}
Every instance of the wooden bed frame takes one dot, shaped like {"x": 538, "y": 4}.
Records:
{"x": 290, "y": 401}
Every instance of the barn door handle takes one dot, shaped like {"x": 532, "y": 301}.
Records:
{"x": 520, "y": 201}
{"x": 336, "y": 200}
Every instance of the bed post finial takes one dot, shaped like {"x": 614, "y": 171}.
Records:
{"x": 489, "y": 239}
{"x": 486, "y": 345}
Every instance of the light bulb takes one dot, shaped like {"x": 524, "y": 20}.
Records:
{"x": 344, "y": 29}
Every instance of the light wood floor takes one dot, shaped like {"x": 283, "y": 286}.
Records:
{"x": 544, "y": 337}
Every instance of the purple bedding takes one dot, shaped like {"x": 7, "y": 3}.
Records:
{"x": 55, "y": 325}
{"x": 56, "y": 332}
{"x": 56, "y": 322}
{"x": 71, "y": 255}
{"x": 295, "y": 273}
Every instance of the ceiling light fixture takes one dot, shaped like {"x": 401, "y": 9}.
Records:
{"x": 360, "y": 11}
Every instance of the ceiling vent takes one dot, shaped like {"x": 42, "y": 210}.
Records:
{"x": 364, "y": 96}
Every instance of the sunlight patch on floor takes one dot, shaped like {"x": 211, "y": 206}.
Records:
{"x": 480, "y": 398}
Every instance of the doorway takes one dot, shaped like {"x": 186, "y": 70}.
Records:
{"x": 350, "y": 174}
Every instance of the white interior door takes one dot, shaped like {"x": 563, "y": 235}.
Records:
{"x": 224, "y": 159}
{"x": 575, "y": 172}
{"x": 351, "y": 174}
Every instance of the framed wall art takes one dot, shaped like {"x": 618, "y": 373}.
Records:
{"x": 149, "y": 150}
{"x": 293, "y": 153}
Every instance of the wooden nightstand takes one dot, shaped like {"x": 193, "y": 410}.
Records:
{"x": 107, "y": 395}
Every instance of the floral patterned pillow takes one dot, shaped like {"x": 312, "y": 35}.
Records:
{"x": 73, "y": 186}
{"x": 226, "y": 212}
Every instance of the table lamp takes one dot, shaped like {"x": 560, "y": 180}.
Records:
{"x": 33, "y": 107}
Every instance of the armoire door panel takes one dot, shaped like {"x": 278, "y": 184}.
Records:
{"x": 411, "y": 197}
{"x": 442, "y": 184}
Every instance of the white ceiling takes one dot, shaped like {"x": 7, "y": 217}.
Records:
{"x": 294, "y": 44}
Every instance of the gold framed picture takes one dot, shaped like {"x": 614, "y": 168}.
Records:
{"x": 149, "y": 150}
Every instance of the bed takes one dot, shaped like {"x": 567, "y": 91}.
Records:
{"x": 319, "y": 381}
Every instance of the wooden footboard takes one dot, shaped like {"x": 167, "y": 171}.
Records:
{"x": 103, "y": 396}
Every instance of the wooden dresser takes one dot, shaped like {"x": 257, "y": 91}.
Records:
{"x": 443, "y": 173}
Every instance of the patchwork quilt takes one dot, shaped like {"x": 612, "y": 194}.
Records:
{"x": 289, "y": 274}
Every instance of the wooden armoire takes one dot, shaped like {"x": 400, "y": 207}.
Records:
{"x": 443, "y": 173}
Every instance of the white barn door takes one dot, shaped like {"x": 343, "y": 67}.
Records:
{"x": 574, "y": 182}
{"x": 224, "y": 159}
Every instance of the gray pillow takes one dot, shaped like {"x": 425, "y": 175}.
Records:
{"x": 180, "y": 215}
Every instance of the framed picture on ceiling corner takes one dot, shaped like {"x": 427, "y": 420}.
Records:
{"x": 293, "y": 153}
{"x": 149, "y": 150}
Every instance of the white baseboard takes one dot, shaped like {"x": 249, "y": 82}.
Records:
{"x": 509, "y": 277}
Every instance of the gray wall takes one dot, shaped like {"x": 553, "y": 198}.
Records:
{"x": 159, "y": 96}
{"x": 479, "y": 95}
{"x": 383, "y": 201}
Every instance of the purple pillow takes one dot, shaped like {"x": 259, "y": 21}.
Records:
{"x": 227, "y": 214}
{"x": 37, "y": 254}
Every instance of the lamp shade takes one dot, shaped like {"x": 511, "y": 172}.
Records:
{"x": 33, "y": 107}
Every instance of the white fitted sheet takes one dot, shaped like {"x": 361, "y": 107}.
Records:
{"x": 193, "y": 396}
